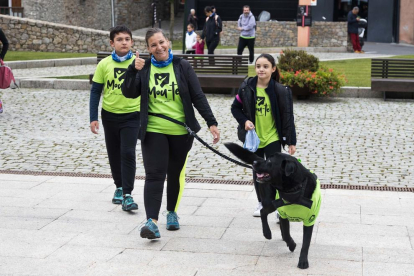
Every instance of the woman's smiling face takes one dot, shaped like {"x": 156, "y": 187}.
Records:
{"x": 158, "y": 46}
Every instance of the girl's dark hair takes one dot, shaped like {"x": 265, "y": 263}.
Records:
{"x": 119, "y": 29}
{"x": 275, "y": 75}
{"x": 208, "y": 9}
{"x": 151, "y": 32}
{"x": 191, "y": 25}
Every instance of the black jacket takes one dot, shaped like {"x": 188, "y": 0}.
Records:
{"x": 5, "y": 43}
{"x": 352, "y": 23}
{"x": 281, "y": 103}
{"x": 212, "y": 29}
{"x": 191, "y": 94}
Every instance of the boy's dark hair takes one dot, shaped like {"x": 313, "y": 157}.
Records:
{"x": 191, "y": 25}
{"x": 208, "y": 9}
{"x": 213, "y": 7}
{"x": 275, "y": 75}
{"x": 246, "y": 6}
{"x": 119, "y": 29}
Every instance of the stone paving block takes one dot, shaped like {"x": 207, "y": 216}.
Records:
{"x": 220, "y": 211}
{"x": 360, "y": 200}
{"x": 82, "y": 226}
{"x": 403, "y": 219}
{"x": 81, "y": 180}
{"x": 116, "y": 240}
{"x": 25, "y": 178}
{"x": 35, "y": 266}
{"x": 231, "y": 203}
{"x": 15, "y": 202}
{"x": 387, "y": 255}
{"x": 251, "y": 222}
{"x": 206, "y": 186}
{"x": 287, "y": 266}
{"x": 215, "y": 193}
{"x": 86, "y": 254}
{"x": 204, "y": 260}
{"x": 36, "y": 83}
{"x": 394, "y": 211}
{"x": 25, "y": 212}
{"x": 71, "y": 84}
{"x": 316, "y": 251}
{"x": 75, "y": 205}
{"x": 68, "y": 187}
{"x": 214, "y": 246}
{"x": 6, "y": 184}
{"x": 256, "y": 234}
{"x": 41, "y": 63}
{"x": 190, "y": 231}
{"x": 362, "y": 229}
{"x": 211, "y": 221}
{"x": 378, "y": 269}
{"x": 104, "y": 216}
{"x": 236, "y": 272}
{"x": 140, "y": 269}
{"x": 24, "y": 223}
{"x": 67, "y": 62}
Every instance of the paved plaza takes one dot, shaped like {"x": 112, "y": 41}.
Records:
{"x": 68, "y": 226}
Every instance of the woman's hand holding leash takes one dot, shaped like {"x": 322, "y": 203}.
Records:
{"x": 139, "y": 62}
{"x": 216, "y": 134}
{"x": 292, "y": 149}
{"x": 248, "y": 125}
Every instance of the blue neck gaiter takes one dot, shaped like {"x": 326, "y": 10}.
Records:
{"x": 117, "y": 58}
{"x": 163, "y": 63}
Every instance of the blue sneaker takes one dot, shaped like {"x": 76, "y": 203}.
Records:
{"x": 150, "y": 231}
{"x": 128, "y": 203}
{"x": 118, "y": 196}
{"x": 172, "y": 221}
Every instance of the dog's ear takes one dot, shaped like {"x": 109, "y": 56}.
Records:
{"x": 241, "y": 153}
{"x": 288, "y": 167}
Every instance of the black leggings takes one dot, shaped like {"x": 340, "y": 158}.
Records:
{"x": 164, "y": 155}
{"x": 267, "y": 151}
{"x": 243, "y": 42}
{"x": 121, "y": 140}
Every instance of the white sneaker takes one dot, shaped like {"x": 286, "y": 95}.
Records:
{"x": 258, "y": 208}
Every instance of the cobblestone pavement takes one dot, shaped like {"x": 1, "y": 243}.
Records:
{"x": 344, "y": 140}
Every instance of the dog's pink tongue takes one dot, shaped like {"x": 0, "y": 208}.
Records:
{"x": 259, "y": 175}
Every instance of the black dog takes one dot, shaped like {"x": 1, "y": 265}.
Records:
{"x": 298, "y": 195}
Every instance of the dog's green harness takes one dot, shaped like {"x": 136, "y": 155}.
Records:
{"x": 297, "y": 213}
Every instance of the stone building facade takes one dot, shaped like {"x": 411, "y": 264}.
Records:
{"x": 95, "y": 14}
{"x": 284, "y": 34}
{"x": 35, "y": 35}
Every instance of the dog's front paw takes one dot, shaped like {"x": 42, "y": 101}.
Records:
{"x": 303, "y": 263}
{"x": 267, "y": 234}
{"x": 291, "y": 244}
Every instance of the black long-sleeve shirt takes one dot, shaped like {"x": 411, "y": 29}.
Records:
{"x": 5, "y": 43}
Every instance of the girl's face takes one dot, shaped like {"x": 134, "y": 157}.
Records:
{"x": 189, "y": 29}
{"x": 264, "y": 69}
{"x": 198, "y": 37}
{"x": 122, "y": 43}
{"x": 158, "y": 46}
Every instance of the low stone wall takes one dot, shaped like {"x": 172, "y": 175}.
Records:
{"x": 34, "y": 35}
{"x": 284, "y": 34}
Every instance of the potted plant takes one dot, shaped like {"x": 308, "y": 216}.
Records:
{"x": 305, "y": 76}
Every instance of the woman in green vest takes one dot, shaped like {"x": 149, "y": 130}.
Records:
{"x": 168, "y": 86}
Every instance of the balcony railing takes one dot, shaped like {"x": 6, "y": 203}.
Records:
{"x": 13, "y": 11}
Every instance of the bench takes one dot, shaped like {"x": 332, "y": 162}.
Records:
{"x": 392, "y": 76}
{"x": 213, "y": 71}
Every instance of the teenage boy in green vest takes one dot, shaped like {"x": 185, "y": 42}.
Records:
{"x": 120, "y": 115}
